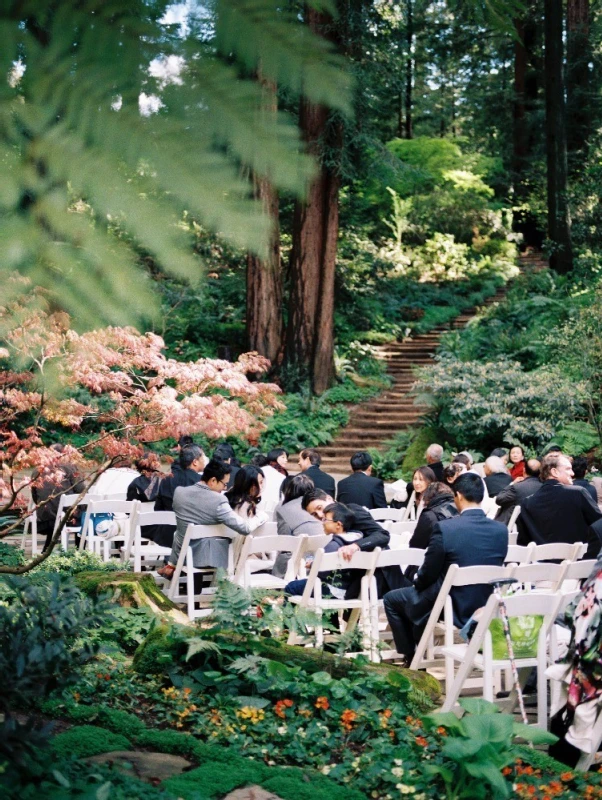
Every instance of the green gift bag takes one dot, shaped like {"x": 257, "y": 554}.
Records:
{"x": 524, "y": 632}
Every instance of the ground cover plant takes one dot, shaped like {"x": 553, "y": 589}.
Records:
{"x": 294, "y": 721}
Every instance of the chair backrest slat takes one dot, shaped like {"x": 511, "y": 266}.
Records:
{"x": 394, "y": 514}
{"x": 408, "y": 557}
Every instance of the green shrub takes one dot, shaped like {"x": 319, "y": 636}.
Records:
{"x": 214, "y": 781}
{"x": 73, "y": 561}
{"x": 156, "y": 653}
{"x": 297, "y": 785}
{"x": 40, "y": 626}
{"x": 87, "y": 740}
{"x": 11, "y": 555}
{"x": 121, "y": 722}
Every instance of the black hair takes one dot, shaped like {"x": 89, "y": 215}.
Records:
{"x": 462, "y": 459}
{"x": 224, "y": 451}
{"x": 215, "y": 469}
{"x": 275, "y": 454}
{"x": 185, "y": 441}
{"x": 470, "y": 486}
{"x": 189, "y": 454}
{"x": 579, "y": 467}
{"x": 314, "y": 457}
{"x": 259, "y": 460}
{"x": 500, "y": 452}
{"x": 296, "y": 486}
{"x": 341, "y": 513}
{"x": 427, "y": 473}
{"x": 246, "y": 488}
{"x": 451, "y": 471}
{"x": 309, "y": 497}
{"x": 360, "y": 461}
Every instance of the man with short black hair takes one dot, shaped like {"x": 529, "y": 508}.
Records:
{"x": 361, "y": 488}
{"x": 579, "y": 472}
{"x": 521, "y": 488}
{"x": 433, "y": 455}
{"x": 309, "y": 464}
{"x": 204, "y": 503}
{"x": 559, "y": 511}
{"x": 469, "y": 539}
{"x": 225, "y": 452}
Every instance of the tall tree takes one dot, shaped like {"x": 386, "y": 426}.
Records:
{"x": 578, "y": 60}
{"x": 264, "y": 275}
{"x": 559, "y": 220}
{"x": 310, "y": 332}
{"x": 409, "y": 130}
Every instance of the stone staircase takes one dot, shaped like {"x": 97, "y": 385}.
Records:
{"x": 375, "y": 421}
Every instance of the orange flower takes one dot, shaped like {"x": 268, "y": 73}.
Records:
{"x": 280, "y": 709}
{"x": 322, "y": 702}
{"x": 567, "y": 776}
{"x": 76, "y": 696}
{"x": 387, "y": 713}
{"x": 186, "y": 691}
{"x": 441, "y": 731}
{"x": 420, "y": 740}
{"x": 348, "y": 717}
{"x": 288, "y": 703}
{"x": 507, "y": 771}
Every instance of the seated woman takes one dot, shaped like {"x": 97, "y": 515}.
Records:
{"x": 421, "y": 480}
{"x": 517, "y": 462}
{"x": 274, "y": 472}
{"x": 439, "y": 504}
{"x": 452, "y": 472}
{"x": 580, "y": 702}
{"x": 146, "y": 486}
{"x": 244, "y": 497}
{"x": 292, "y": 519}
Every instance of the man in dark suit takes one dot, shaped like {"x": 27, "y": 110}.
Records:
{"x": 361, "y": 487}
{"x": 470, "y": 539}
{"x": 579, "y": 471}
{"x": 373, "y": 535}
{"x": 517, "y": 491}
{"x": 433, "y": 456}
{"x": 559, "y": 511}
{"x": 309, "y": 464}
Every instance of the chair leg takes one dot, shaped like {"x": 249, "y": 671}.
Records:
{"x": 319, "y": 631}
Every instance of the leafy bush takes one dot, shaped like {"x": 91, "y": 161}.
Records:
{"x": 40, "y": 630}
{"x": 482, "y": 404}
{"x": 74, "y": 561}
{"x": 11, "y": 555}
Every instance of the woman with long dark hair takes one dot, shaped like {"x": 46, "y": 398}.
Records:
{"x": 292, "y": 519}
{"x": 245, "y": 494}
{"x": 278, "y": 460}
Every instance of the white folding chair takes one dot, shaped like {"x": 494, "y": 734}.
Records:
{"x": 539, "y": 576}
{"x": 512, "y": 538}
{"x": 96, "y": 544}
{"x": 393, "y": 514}
{"x": 65, "y": 502}
{"x": 312, "y": 597}
{"x": 137, "y": 547}
{"x": 399, "y": 528}
{"x": 399, "y": 541}
{"x": 559, "y": 551}
{"x": 512, "y": 521}
{"x": 519, "y": 554}
{"x": 410, "y": 511}
{"x": 30, "y": 525}
{"x": 185, "y": 569}
{"x": 408, "y": 557}
{"x": 469, "y": 658}
{"x": 306, "y": 554}
{"x": 246, "y": 576}
{"x": 267, "y": 529}
{"x": 427, "y": 655}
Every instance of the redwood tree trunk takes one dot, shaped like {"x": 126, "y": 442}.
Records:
{"x": 409, "y": 130}
{"x": 579, "y": 56}
{"x": 310, "y": 332}
{"x": 559, "y": 221}
{"x": 264, "y": 278}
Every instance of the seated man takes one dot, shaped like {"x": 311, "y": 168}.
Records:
{"x": 184, "y": 472}
{"x": 373, "y": 535}
{"x": 514, "y": 494}
{"x": 361, "y": 487}
{"x": 433, "y": 456}
{"x": 339, "y": 522}
{"x": 468, "y": 540}
{"x": 309, "y": 464}
{"x": 579, "y": 473}
{"x": 496, "y": 475}
{"x": 559, "y": 511}
{"x": 204, "y": 503}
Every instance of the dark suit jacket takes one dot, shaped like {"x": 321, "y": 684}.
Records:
{"x": 362, "y": 489}
{"x": 468, "y": 540}
{"x": 496, "y": 482}
{"x": 558, "y": 513}
{"x": 373, "y": 535}
{"x": 322, "y": 480}
{"x": 513, "y": 495}
{"x": 437, "y": 468}
{"x": 163, "y": 534}
{"x": 588, "y": 488}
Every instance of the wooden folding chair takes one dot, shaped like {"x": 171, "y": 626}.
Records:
{"x": 248, "y": 577}
{"x": 512, "y": 528}
{"x": 392, "y": 514}
{"x": 519, "y": 554}
{"x": 312, "y": 597}
{"x": 185, "y": 569}
{"x": 96, "y": 544}
{"x": 137, "y": 547}
{"x": 469, "y": 658}
{"x": 410, "y": 511}
{"x": 559, "y": 551}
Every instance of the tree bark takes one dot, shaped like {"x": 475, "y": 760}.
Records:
{"x": 409, "y": 131}
{"x": 264, "y": 278}
{"x": 579, "y": 57}
{"x": 559, "y": 220}
{"x": 310, "y": 332}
